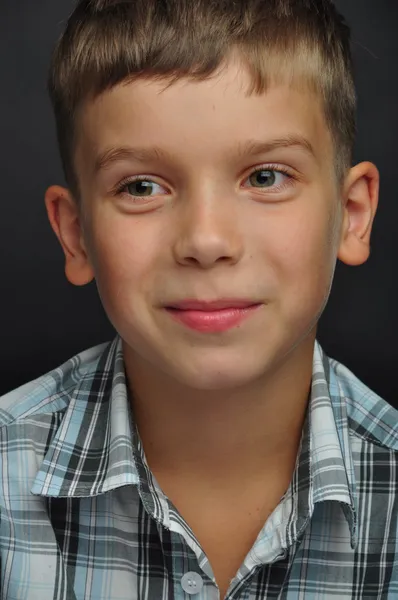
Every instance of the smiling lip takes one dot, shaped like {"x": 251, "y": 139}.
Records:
{"x": 212, "y": 305}
{"x": 212, "y": 317}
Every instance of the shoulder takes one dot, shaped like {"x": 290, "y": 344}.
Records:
{"x": 369, "y": 416}
{"x": 52, "y": 391}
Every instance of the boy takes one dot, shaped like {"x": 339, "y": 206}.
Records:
{"x": 212, "y": 450}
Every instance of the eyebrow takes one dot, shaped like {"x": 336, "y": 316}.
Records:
{"x": 250, "y": 148}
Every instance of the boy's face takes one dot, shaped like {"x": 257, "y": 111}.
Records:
{"x": 216, "y": 220}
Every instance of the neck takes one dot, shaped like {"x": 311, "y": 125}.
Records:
{"x": 232, "y": 434}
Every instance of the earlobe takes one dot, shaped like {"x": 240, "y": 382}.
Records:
{"x": 64, "y": 217}
{"x": 361, "y": 195}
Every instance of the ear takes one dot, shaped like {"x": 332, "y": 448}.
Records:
{"x": 361, "y": 197}
{"x": 64, "y": 216}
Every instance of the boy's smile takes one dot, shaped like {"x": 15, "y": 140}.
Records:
{"x": 237, "y": 199}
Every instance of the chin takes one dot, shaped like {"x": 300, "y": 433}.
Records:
{"x": 224, "y": 377}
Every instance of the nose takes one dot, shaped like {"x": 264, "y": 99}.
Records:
{"x": 208, "y": 230}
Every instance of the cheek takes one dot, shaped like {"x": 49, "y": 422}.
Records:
{"x": 299, "y": 249}
{"x": 123, "y": 253}
{"x": 309, "y": 265}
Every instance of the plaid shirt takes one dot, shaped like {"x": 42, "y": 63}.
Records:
{"x": 83, "y": 518}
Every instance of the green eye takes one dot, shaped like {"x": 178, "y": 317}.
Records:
{"x": 263, "y": 178}
{"x": 140, "y": 188}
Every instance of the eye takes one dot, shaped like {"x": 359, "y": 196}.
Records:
{"x": 268, "y": 177}
{"x": 141, "y": 187}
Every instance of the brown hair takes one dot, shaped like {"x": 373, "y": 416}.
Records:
{"x": 106, "y": 42}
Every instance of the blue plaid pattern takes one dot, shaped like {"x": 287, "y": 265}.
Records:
{"x": 83, "y": 517}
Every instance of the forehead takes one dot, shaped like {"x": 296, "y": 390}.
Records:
{"x": 201, "y": 120}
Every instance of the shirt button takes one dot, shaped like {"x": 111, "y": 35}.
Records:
{"x": 192, "y": 583}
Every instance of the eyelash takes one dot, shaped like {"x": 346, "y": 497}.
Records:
{"x": 268, "y": 167}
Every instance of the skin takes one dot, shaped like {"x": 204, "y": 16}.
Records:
{"x": 216, "y": 412}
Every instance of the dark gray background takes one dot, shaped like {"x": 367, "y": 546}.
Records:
{"x": 44, "y": 320}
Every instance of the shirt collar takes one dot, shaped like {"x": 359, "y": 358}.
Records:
{"x": 97, "y": 447}
{"x": 94, "y": 448}
{"x": 332, "y": 476}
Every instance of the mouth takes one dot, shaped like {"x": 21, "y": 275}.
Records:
{"x": 213, "y": 305}
{"x": 212, "y": 317}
